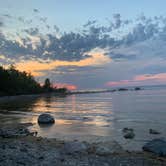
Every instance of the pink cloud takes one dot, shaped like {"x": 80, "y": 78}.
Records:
{"x": 117, "y": 83}
{"x": 63, "y": 85}
{"x": 160, "y": 76}
{"x": 140, "y": 79}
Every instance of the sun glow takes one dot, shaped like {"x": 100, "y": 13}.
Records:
{"x": 96, "y": 57}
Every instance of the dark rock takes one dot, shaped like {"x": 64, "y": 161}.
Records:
{"x": 46, "y": 119}
{"x": 122, "y": 89}
{"x": 152, "y": 131}
{"x": 62, "y": 160}
{"x": 156, "y": 146}
{"x": 127, "y": 130}
{"x": 41, "y": 158}
{"x": 128, "y": 133}
{"x": 137, "y": 88}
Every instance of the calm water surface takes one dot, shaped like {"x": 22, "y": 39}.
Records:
{"x": 92, "y": 115}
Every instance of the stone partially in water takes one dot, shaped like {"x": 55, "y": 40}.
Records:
{"x": 128, "y": 133}
{"x": 137, "y": 88}
{"x": 127, "y": 130}
{"x": 46, "y": 119}
{"x": 156, "y": 146}
{"x": 152, "y": 131}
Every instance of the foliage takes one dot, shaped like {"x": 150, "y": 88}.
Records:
{"x": 14, "y": 82}
{"x": 47, "y": 85}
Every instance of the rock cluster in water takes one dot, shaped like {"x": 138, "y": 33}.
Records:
{"x": 152, "y": 131}
{"x": 128, "y": 133}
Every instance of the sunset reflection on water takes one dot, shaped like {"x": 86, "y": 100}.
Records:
{"x": 104, "y": 114}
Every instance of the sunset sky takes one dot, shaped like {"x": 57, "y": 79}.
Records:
{"x": 86, "y": 44}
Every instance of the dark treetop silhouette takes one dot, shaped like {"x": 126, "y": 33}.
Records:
{"x": 14, "y": 82}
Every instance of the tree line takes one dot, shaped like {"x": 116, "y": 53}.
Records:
{"x": 15, "y": 82}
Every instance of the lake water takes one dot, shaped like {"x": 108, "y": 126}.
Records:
{"x": 100, "y": 116}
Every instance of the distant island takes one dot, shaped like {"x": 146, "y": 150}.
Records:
{"x": 105, "y": 90}
{"x": 15, "y": 82}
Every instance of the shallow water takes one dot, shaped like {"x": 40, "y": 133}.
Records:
{"x": 92, "y": 117}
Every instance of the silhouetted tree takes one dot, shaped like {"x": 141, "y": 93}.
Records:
{"x": 47, "y": 85}
{"x": 14, "y": 82}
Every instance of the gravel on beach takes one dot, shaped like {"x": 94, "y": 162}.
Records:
{"x": 24, "y": 148}
{"x": 35, "y": 151}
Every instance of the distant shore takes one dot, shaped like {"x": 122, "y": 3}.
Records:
{"x": 106, "y": 91}
{"x": 69, "y": 93}
{"x": 4, "y": 97}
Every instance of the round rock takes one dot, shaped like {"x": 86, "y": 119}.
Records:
{"x": 45, "y": 119}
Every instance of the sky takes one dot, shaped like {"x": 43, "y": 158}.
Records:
{"x": 86, "y": 44}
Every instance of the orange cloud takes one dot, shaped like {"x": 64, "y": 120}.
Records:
{"x": 36, "y": 68}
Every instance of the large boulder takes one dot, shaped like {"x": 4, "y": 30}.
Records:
{"x": 156, "y": 146}
{"x": 46, "y": 119}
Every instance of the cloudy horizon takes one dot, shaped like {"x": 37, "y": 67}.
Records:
{"x": 86, "y": 45}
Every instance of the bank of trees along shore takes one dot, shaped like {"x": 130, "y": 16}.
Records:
{"x": 14, "y": 82}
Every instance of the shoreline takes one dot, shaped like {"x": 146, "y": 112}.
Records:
{"x": 30, "y": 95}
{"x": 25, "y": 148}
{"x": 70, "y": 93}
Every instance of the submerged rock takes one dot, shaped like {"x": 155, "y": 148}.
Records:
{"x": 137, "y": 88}
{"x": 152, "y": 131}
{"x": 45, "y": 119}
{"x": 128, "y": 133}
{"x": 156, "y": 146}
{"x": 127, "y": 130}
